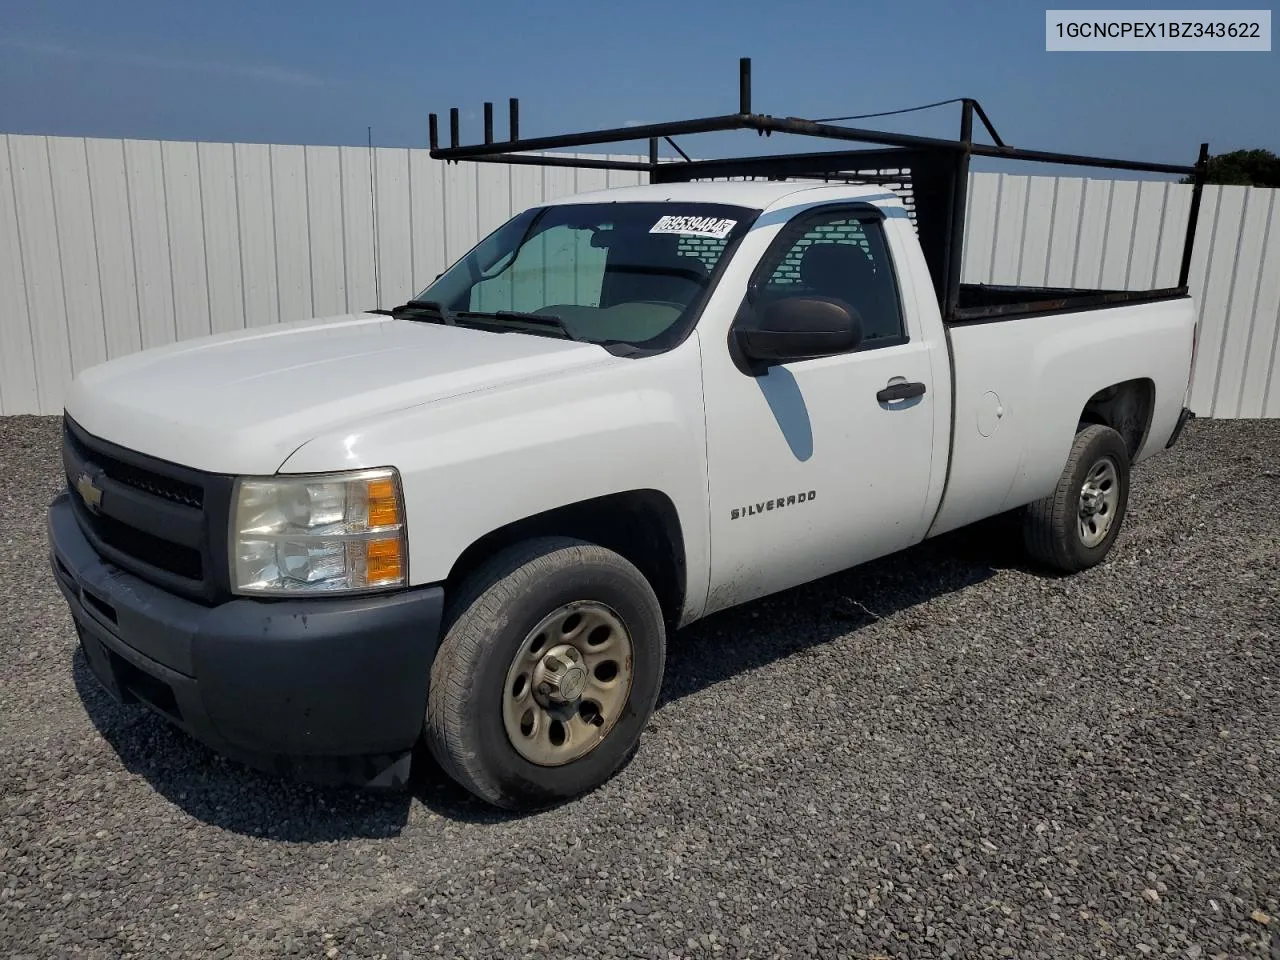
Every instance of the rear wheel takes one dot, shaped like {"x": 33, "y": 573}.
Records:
{"x": 1074, "y": 528}
{"x": 548, "y": 672}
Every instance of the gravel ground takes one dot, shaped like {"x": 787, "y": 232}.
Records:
{"x": 940, "y": 754}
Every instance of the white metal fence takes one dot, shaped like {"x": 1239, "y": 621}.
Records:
{"x": 1128, "y": 234}
{"x": 110, "y": 246}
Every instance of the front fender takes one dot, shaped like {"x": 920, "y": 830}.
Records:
{"x": 473, "y": 464}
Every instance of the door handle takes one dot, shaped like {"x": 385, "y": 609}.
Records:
{"x": 902, "y": 390}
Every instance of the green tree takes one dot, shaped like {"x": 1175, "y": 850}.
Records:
{"x": 1246, "y": 168}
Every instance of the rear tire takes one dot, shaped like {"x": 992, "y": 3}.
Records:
{"x": 1075, "y": 527}
{"x": 527, "y": 705}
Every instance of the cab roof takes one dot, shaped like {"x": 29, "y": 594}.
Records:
{"x": 757, "y": 194}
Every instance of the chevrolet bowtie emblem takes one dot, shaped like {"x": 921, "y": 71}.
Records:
{"x": 89, "y": 492}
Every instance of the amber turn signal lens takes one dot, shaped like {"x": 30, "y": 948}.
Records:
{"x": 384, "y": 510}
{"x": 383, "y": 562}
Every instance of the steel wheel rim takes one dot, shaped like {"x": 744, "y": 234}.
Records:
{"x": 1099, "y": 502}
{"x": 568, "y": 683}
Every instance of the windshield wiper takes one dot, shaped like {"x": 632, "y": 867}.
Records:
{"x": 544, "y": 321}
{"x": 434, "y": 310}
{"x": 423, "y": 310}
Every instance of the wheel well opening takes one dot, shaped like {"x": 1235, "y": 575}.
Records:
{"x": 1126, "y": 408}
{"x": 640, "y": 525}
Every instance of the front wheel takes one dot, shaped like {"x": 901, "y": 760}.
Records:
{"x": 1074, "y": 527}
{"x": 548, "y": 671}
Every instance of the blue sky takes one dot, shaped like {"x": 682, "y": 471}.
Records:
{"x": 321, "y": 72}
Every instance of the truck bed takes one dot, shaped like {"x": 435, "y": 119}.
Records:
{"x": 984, "y": 301}
{"x": 1019, "y": 387}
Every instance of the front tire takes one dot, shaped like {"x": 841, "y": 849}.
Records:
{"x": 1075, "y": 527}
{"x": 550, "y": 667}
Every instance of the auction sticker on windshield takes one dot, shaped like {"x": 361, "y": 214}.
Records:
{"x": 694, "y": 226}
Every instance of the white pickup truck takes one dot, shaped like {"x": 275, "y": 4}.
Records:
{"x": 470, "y": 522}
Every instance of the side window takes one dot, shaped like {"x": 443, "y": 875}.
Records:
{"x": 835, "y": 254}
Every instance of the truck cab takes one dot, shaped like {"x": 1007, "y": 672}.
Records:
{"x": 467, "y": 524}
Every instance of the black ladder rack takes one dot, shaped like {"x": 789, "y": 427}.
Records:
{"x": 935, "y": 168}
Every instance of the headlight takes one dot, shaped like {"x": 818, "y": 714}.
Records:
{"x": 324, "y": 533}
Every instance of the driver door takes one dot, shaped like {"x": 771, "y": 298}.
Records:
{"x": 812, "y": 468}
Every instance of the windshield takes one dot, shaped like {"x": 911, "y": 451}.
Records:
{"x": 611, "y": 273}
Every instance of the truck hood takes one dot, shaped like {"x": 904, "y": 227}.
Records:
{"x": 242, "y": 402}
